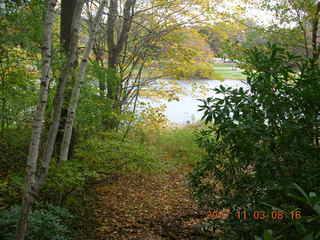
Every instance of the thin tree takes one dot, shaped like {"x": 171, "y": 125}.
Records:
{"x": 60, "y": 94}
{"x": 77, "y": 86}
{"x": 68, "y": 8}
{"x": 28, "y": 194}
{"x": 115, "y": 48}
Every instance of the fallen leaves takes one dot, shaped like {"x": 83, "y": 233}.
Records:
{"x": 144, "y": 207}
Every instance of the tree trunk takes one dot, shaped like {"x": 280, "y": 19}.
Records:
{"x": 67, "y": 12}
{"x": 77, "y": 86}
{"x": 59, "y": 98}
{"x": 68, "y": 8}
{"x": 115, "y": 48}
{"x": 28, "y": 195}
{"x": 315, "y": 27}
{"x": 315, "y": 58}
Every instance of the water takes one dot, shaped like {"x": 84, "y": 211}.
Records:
{"x": 186, "y": 109}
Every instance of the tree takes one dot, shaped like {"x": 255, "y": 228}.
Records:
{"x": 129, "y": 41}
{"x": 67, "y": 11}
{"x": 221, "y": 32}
{"x": 115, "y": 48}
{"x": 59, "y": 98}
{"x": 302, "y": 15}
{"x": 185, "y": 54}
{"x": 34, "y": 182}
{"x": 77, "y": 86}
{"x": 28, "y": 196}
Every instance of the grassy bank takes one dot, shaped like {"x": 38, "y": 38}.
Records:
{"x": 228, "y": 71}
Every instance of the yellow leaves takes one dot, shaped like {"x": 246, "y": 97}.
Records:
{"x": 18, "y": 65}
{"x": 186, "y": 55}
{"x": 153, "y": 117}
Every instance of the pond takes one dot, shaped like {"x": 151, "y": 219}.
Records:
{"x": 186, "y": 109}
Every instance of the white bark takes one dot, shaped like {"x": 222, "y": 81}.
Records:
{"x": 77, "y": 85}
{"x": 2, "y": 6}
{"x": 59, "y": 98}
{"x": 32, "y": 160}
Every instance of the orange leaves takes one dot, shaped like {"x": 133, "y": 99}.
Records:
{"x": 136, "y": 205}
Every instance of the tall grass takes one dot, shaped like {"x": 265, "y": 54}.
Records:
{"x": 172, "y": 147}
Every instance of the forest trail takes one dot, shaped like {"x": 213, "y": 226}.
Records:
{"x": 136, "y": 206}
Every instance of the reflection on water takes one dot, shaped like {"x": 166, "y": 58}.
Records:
{"x": 186, "y": 109}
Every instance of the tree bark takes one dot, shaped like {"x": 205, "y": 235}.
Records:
{"x": 67, "y": 12}
{"x": 315, "y": 58}
{"x": 115, "y": 48}
{"x": 77, "y": 86}
{"x": 315, "y": 27}
{"x": 59, "y": 98}
{"x": 28, "y": 195}
{"x": 68, "y": 9}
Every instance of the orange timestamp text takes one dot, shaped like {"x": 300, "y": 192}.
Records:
{"x": 255, "y": 215}
{"x": 219, "y": 214}
{"x": 263, "y": 215}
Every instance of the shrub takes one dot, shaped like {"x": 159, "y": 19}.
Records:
{"x": 13, "y": 148}
{"x": 260, "y": 140}
{"x": 65, "y": 179}
{"x": 11, "y": 187}
{"x": 303, "y": 226}
{"x": 109, "y": 152}
{"x": 49, "y": 223}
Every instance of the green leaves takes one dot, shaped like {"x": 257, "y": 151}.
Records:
{"x": 108, "y": 153}
{"x": 267, "y": 235}
{"x": 311, "y": 199}
{"x": 266, "y": 138}
{"x": 306, "y": 226}
{"x": 45, "y": 223}
{"x": 70, "y": 175}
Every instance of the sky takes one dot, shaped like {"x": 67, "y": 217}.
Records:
{"x": 262, "y": 17}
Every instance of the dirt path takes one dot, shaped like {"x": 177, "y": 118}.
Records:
{"x": 147, "y": 208}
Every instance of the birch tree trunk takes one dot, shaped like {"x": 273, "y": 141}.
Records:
{"x": 67, "y": 12}
{"x": 77, "y": 85}
{"x": 28, "y": 195}
{"x": 59, "y": 98}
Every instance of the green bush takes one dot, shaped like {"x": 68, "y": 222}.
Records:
{"x": 109, "y": 152}
{"x": 14, "y": 145}
{"x": 11, "y": 187}
{"x": 305, "y": 225}
{"x": 49, "y": 223}
{"x": 260, "y": 140}
{"x": 65, "y": 179}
